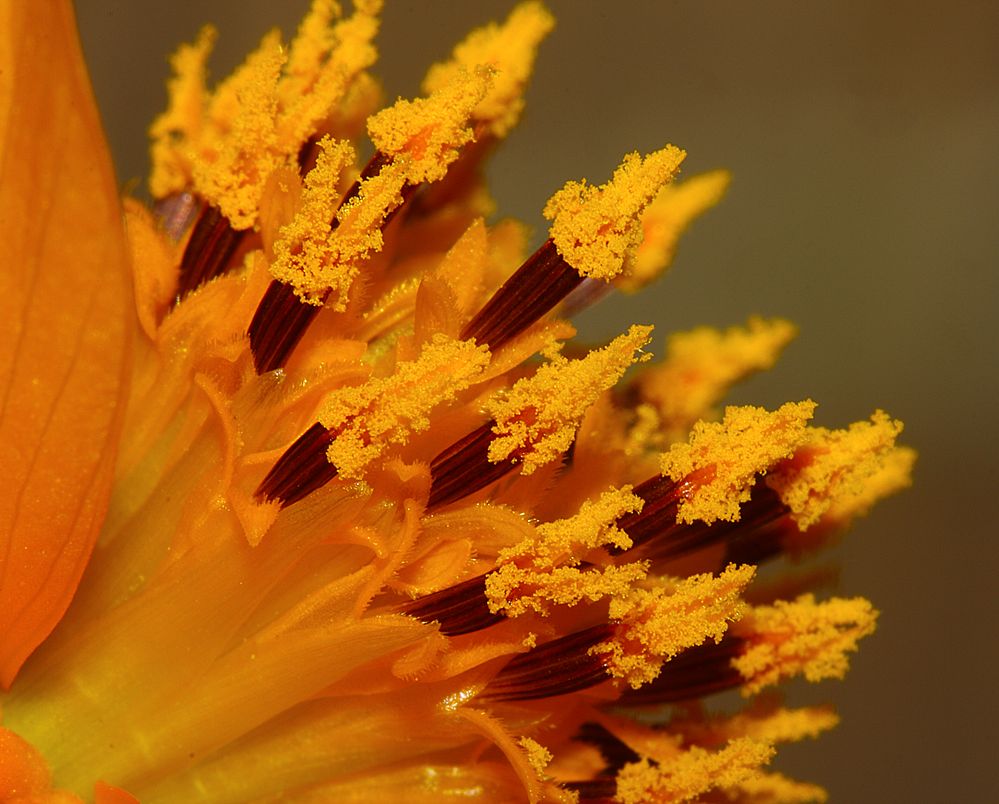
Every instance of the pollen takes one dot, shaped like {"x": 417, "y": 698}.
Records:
{"x": 597, "y": 230}
{"x": 543, "y": 568}
{"x": 427, "y": 134}
{"x": 226, "y": 144}
{"x": 728, "y": 455}
{"x": 689, "y": 774}
{"x": 537, "y": 418}
{"x": 319, "y": 261}
{"x": 658, "y": 623}
{"x": 802, "y": 638}
{"x": 509, "y": 49}
{"x": 701, "y": 365}
{"x": 181, "y": 123}
{"x": 666, "y": 219}
{"x": 232, "y": 175}
{"x": 386, "y": 411}
{"x": 833, "y": 467}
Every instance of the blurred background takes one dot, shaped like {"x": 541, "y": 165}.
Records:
{"x": 863, "y": 140}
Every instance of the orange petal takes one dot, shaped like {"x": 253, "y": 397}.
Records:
{"x": 105, "y": 793}
{"x": 65, "y": 322}
{"x": 24, "y": 776}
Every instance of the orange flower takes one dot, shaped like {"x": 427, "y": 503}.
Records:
{"x": 292, "y": 508}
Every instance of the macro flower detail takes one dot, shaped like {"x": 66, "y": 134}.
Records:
{"x": 313, "y": 495}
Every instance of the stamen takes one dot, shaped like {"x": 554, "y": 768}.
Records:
{"x": 564, "y": 665}
{"x": 213, "y": 242}
{"x": 695, "y": 673}
{"x": 278, "y": 324}
{"x": 302, "y": 469}
{"x": 281, "y": 319}
{"x": 600, "y": 791}
{"x": 459, "y": 609}
{"x": 616, "y": 753}
{"x": 535, "y": 288}
{"x": 464, "y": 468}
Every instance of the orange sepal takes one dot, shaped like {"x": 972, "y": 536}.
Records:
{"x": 65, "y": 322}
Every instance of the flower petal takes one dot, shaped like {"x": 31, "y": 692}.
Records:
{"x": 65, "y": 323}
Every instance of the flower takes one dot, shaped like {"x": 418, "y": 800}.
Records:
{"x": 295, "y": 508}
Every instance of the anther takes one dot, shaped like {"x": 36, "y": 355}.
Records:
{"x": 212, "y": 243}
{"x": 302, "y": 469}
{"x": 695, "y": 673}
{"x": 536, "y": 287}
{"x": 464, "y": 468}
{"x": 558, "y": 667}
{"x": 459, "y": 609}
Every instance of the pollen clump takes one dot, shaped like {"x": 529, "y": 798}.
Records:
{"x": 428, "y": 133}
{"x": 225, "y": 145}
{"x": 666, "y": 218}
{"x": 232, "y": 175}
{"x": 728, "y": 455}
{"x": 184, "y": 117}
{"x": 537, "y": 418}
{"x": 509, "y": 49}
{"x": 385, "y": 411}
{"x": 801, "y": 637}
{"x": 833, "y": 467}
{"x": 308, "y": 255}
{"x": 543, "y": 568}
{"x": 689, "y": 774}
{"x": 598, "y": 230}
{"x": 702, "y": 364}
{"x": 658, "y": 623}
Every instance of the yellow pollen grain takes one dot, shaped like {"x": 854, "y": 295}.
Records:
{"x": 306, "y": 254}
{"x": 802, "y": 638}
{"x": 538, "y": 756}
{"x": 172, "y": 133}
{"x": 598, "y": 230}
{"x": 775, "y": 788}
{"x": 231, "y": 175}
{"x": 368, "y": 419}
{"x": 591, "y": 527}
{"x": 728, "y": 455}
{"x": 668, "y": 217}
{"x": 429, "y": 132}
{"x": 701, "y": 365}
{"x": 509, "y": 49}
{"x": 894, "y": 474}
{"x": 325, "y": 61}
{"x": 692, "y": 773}
{"x": 833, "y": 467}
{"x": 542, "y": 569}
{"x": 658, "y": 623}
{"x": 537, "y": 418}
{"x": 764, "y": 720}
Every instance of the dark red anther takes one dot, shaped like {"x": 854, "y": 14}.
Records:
{"x": 660, "y": 496}
{"x": 278, "y": 325}
{"x": 464, "y": 468}
{"x": 558, "y": 667}
{"x": 459, "y": 609}
{"x": 602, "y": 790}
{"x": 281, "y": 319}
{"x": 534, "y": 289}
{"x": 301, "y": 470}
{"x": 615, "y": 753}
{"x": 212, "y": 243}
{"x": 763, "y": 509}
{"x": 695, "y": 673}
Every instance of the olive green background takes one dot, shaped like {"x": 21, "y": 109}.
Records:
{"x": 863, "y": 139}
